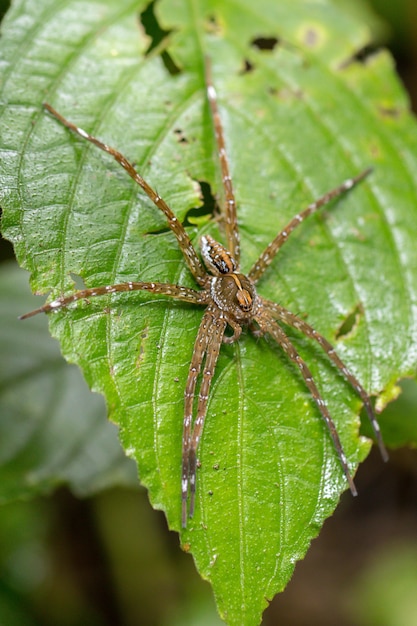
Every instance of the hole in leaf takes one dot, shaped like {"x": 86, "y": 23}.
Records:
{"x": 152, "y": 28}
{"x": 180, "y": 135}
{"x": 4, "y": 7}
{"x": 170, "y": 64}
{"x": 247, "y": 67}
{"x": 6, "y": 247}
{"x": 350, "y": 323}
{"x": 159, "y": 231}
{"x": 159, "y": 37}
{"x": 204, "y": 213}
{"x": 365, "y": 53}
{"x": 361, "y": 56}
{"x": 265, "y": 43}
{"x": 78, "y": 281}
{"x": 195, "y": 216}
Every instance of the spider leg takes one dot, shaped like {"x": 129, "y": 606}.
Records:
{"x": 207, "y": 344}
{"x": 292, "y": 320}
{"x": 199, "y": 351}
{"x": 217, "y": 329}
{"x": 232, "y": 229}
{"x": 268, "y": 255}
{"x": 268, "y": 325}
{"x": 166, "y": 289}
{"x": 177, "y": 228}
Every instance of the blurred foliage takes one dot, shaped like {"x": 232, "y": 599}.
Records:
{"x": 385, "y": 592}
{"x": 400, "y": 19}
{"x": 38, "y": 393}
{"x": 106, "y": 560}
{"x": 403, "y": 412}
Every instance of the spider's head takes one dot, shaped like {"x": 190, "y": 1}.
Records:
{"x": 216, "y": 258}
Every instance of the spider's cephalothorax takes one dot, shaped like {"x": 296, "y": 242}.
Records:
{"x": 233, "y": 293}
{"x": 230, "y": 299}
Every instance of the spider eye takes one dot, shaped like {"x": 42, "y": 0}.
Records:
{"x": 244, "y": 299}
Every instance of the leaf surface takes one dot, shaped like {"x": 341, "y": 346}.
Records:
{"x": 298, "y": 118}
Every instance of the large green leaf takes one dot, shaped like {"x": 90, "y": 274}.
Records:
{"x": 298, "y": 119}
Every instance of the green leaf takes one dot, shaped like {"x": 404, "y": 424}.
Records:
{"x": 298, "y": 119}
{"x": 52, "y": 429}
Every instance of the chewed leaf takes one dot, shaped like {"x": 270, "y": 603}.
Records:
{"x": 300, "y": 115}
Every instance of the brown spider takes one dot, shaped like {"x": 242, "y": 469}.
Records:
{"x": 230, "y": 299}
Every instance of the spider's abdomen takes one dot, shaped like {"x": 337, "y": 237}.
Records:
{"x": 235, "y": 294}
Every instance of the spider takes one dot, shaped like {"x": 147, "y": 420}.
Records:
{"x": 230, "y": 299}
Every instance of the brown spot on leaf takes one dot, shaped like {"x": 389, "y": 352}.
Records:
{"x": 213, "y": 25}
{"x": 388, "y": 111}
{"x": 142, "y": 344}
{"x": 311, "y": 37}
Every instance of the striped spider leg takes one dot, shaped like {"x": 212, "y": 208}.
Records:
{"x": 230, "y": 300}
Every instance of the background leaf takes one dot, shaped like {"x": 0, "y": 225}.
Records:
{"x": 53, "y": 430}
{"x": 298, "y": 119}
